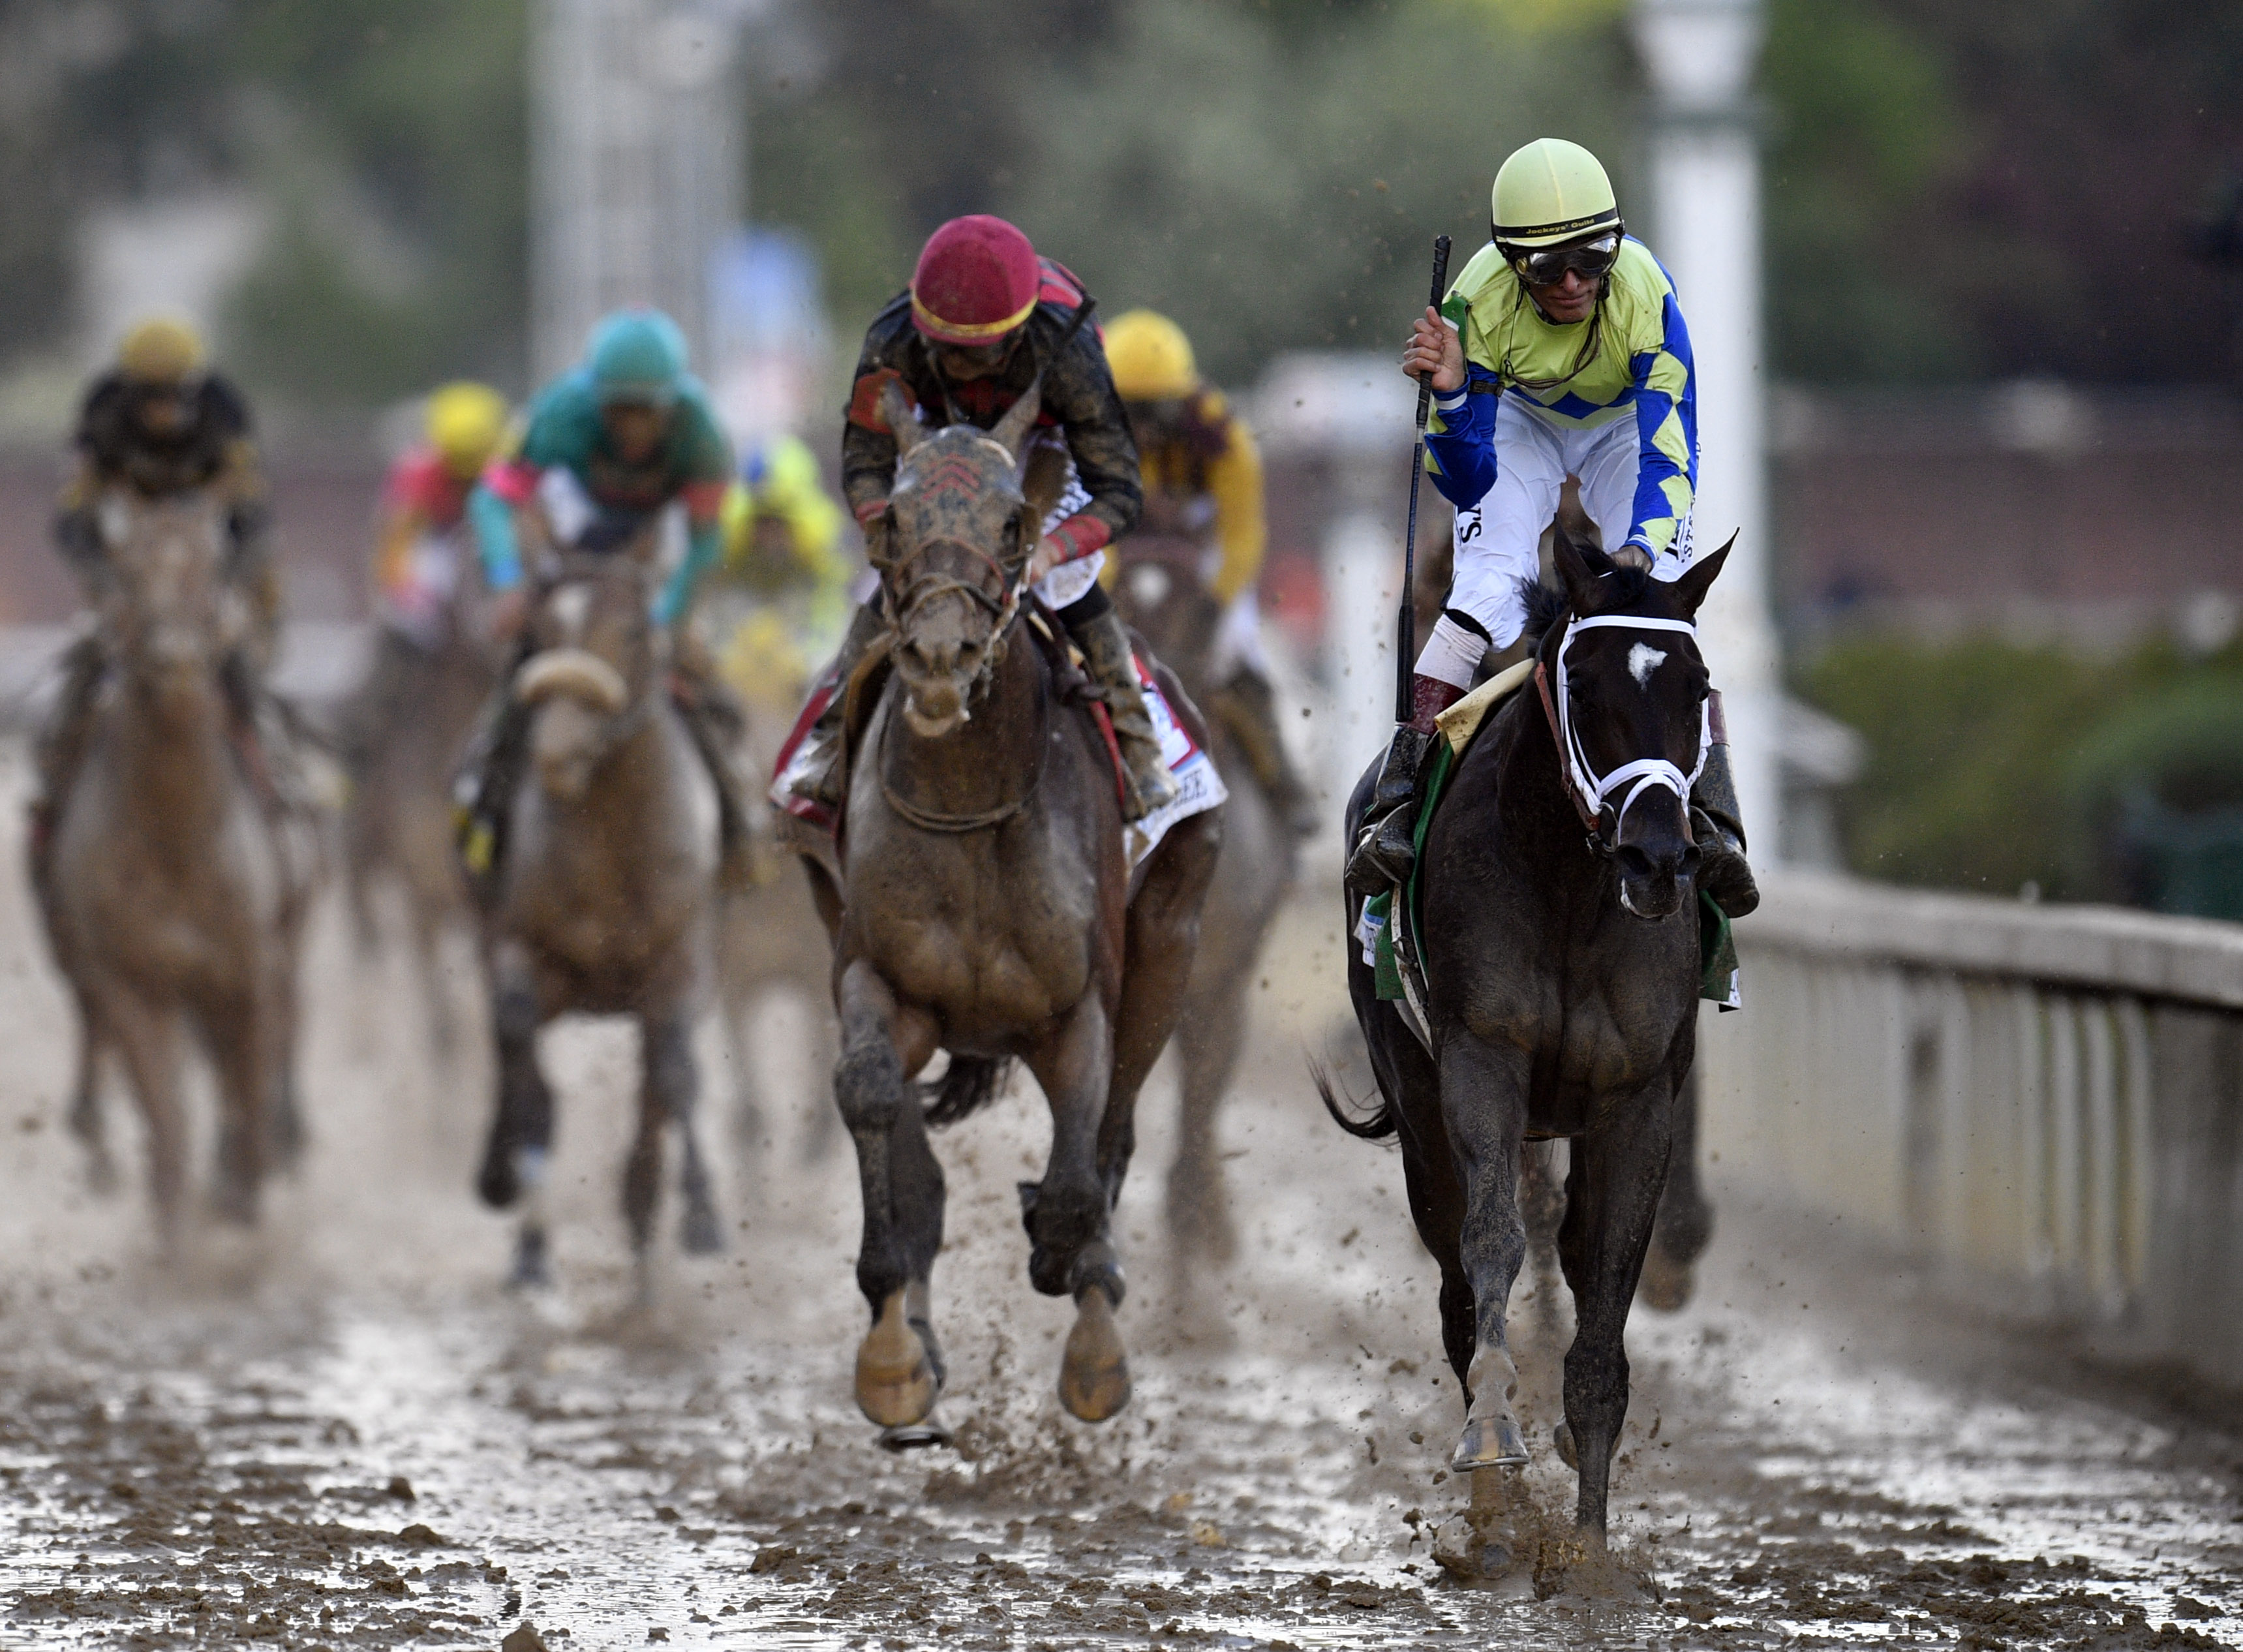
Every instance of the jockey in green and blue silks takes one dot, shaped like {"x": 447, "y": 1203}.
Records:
{"x": 607, "y": 445}
{"x": 1560, "y": 351}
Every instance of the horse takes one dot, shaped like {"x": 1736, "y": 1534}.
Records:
{"x": 407, "y": 724}
{"x": 176, "y": 893}
{"x": 1561, "y": 983}
{"x": 601, "y": 902}
{"x": 1162, "y": 594}
{"x": 982, "y": 903}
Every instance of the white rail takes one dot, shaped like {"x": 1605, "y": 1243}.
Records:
{"x": 2048, "y": 1100}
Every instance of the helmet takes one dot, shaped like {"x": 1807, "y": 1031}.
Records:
{"x": 780, "y": 473}
{"x": 466, "y": 422}
{"x": 1551, "y": 192}
{"x": 977, "y": 280}
{"x": 161, "y": 350}
{"x": 1151, "y": 358}
{"x": 636, "y": 355}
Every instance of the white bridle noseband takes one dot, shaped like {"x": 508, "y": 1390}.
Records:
{"x": 1591, "y": 792}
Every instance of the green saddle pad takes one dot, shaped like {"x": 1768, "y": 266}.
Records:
{"x": 1717, "y": 947}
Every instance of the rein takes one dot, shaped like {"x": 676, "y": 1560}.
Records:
{"x": 1591, "y": 794}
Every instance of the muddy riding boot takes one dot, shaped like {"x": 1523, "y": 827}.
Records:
{"x": 827, "y": 782}
{"x": 61, "y": 745}
{"x": 1105, "y": 659}
{"x": 1386, "y": 848}
{"x": 490, "y": 769}
{"x": 1718, "y": 825}
{"x": 1248, "y": 709}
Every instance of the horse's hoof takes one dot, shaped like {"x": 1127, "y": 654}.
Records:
{"x": 1489, "y": 1442}
{"x": 896, "y": 1382}
{"x": 531, "y": 1267}
{"x": 497, "y": 1184}
{"x": 1465, "y": 1551}
{"x": 1094, "y": 1373}
{"x": 917, "y": 1436}
{"x": 1666, "y": 1284}
{"x": 700, "y": 1234}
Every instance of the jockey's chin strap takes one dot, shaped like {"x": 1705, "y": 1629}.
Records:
{"x": 1591, "y": 793}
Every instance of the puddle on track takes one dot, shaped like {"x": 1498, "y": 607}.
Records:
{"x": 342, "y": 1433}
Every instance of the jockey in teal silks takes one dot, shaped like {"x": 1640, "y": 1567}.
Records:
{"x": 609, "y": 446}
{"x": 1560, "y": 351}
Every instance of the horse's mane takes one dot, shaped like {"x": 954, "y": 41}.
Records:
{"x": 1624, "y": 589}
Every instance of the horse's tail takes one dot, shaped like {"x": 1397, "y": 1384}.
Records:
{"x": 969, "y": 1084}
{"x": 1374, "y": 1126}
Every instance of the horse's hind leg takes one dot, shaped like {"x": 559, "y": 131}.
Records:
{"x": 521, "y": 1126}
{"x": 897, "y": 1378}
{"x": 1208, "y": 1044}
{"x": 672, "y": 1088}
{"x": 1611, "y": 1198}
{"x": 1484, "y": 1090}
{"x": 1685, "y": 1226}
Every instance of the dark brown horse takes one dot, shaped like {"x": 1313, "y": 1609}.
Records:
{"x": 608, "y": 883}
{"x": 1561, "y": 996}
{"x": 1162, "y": 596}
{"x": 985, "y": 905}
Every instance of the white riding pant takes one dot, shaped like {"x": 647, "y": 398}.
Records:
{"x": 1499, "y": 540}
{"x": 1069, "y": 583}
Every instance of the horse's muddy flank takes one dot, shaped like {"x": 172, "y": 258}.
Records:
{"x": 341, "y": 1431}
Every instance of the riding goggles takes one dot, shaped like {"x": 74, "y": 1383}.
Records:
{"x": 1540, "y": 267}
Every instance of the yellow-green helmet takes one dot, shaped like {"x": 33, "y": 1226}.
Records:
{"x": 1550, "y": 192}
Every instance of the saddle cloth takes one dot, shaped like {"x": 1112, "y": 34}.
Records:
{"x": 1199, "y": 787}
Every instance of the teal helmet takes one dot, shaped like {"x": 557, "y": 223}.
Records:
{"x": 637, "y": 355}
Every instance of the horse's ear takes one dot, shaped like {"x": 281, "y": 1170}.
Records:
{"x": 1690, "y": 589}
{"x": 1574, "y": 574}
{"x": 1021, "y": 418}
{"x": 879, "y": 534}
{"x": 901, "y": 418}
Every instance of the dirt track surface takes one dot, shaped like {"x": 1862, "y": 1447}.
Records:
{"x": 341, "y": 1432}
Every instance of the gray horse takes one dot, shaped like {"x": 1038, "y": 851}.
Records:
{"x": 602, "y": 901}
{"x": 177, "y": 895}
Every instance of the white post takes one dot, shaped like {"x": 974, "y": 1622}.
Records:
{"x": 636, "y": 161}
{"x": 1705, "y": 226}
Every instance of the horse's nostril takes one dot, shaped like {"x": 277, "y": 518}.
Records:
{"x": 1634, "y": 863}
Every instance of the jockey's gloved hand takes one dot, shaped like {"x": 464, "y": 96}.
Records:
{"x": 1633, "y": 556}
{"x": 1051, "y": 551}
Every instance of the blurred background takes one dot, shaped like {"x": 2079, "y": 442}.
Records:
{"x": 2003, "y": 304}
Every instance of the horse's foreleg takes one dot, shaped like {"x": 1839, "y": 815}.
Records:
{"x": 1612, "y": 1199}
{"x": 1484, "y": 1090}
{"x": 1685, "y": 1226}
{"x": 148, "y": 1040}
{"x": 1208, "y": 1045}
{"x": 521, "y": 1124}
{"x": 673, "y": 1083}
{"x": 239, "y": 1034}
{"x": 87, "y": 1120}
{"x": 1069, "y": 1214}
{"x": 897, "y": 1378}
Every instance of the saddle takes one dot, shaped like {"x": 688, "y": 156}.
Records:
{"x": 1388, "y": 929}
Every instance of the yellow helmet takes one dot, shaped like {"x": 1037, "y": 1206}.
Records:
{"x": 1551, "y": 192}
{"x": 466, "y": 424}
{"x": 162, "y": 349}
{"x": 1151, "y": 358}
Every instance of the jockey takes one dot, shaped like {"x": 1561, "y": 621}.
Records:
{"x": 159, "y": 424}
{"x": 417, "y": 568}
{"x": 609, "y": 446}
{"x": 982, "y": 317}
{"x": 783, "y": 555}
{"x": 1560, "y": 350}
{"x": 1202, "y": 481}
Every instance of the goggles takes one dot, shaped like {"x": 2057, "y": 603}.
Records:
{"x": 1541, "y": 267}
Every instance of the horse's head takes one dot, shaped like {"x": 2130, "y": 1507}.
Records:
{"x": 956, "y": 534}
{"x": 169, "y": 611}
{"x": 1162, "y": 593}
{"x": 596, "y": 661}
{"x": 1630, "y": 691}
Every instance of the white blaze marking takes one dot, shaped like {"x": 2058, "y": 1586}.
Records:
{"x": 1642, "y": 660}
{"x": 572, "y": 606}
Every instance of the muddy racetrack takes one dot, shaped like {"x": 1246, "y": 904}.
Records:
{"x": 340, "y": 1431}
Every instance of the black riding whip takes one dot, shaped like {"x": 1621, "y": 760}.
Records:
{"x": 1405, "y": 624}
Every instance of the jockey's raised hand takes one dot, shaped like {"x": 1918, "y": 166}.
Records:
{"x": 1435, "y": 347}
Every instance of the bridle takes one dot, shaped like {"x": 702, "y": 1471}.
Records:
{"x": 1590, "y": 793}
